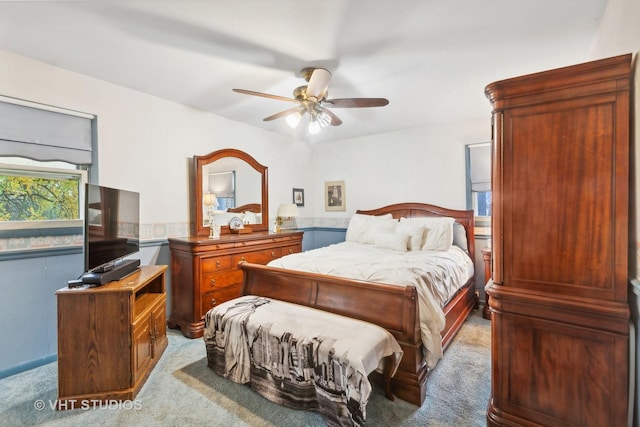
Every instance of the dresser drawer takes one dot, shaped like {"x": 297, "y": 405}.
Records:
{"x": 291, "y": 249}
{"x": 217, "y": 263}
{"x": 258, "y": 257}
{"x": 222, "y": 279}
{"x": 211, "y": 299}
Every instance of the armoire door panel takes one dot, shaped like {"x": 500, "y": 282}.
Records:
{"x": 548, "y": 359}
{"x": 557, "y": 174}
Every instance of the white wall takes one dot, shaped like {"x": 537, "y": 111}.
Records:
{"x": 619, "y": 33}
{"x": 145, "y": 143}
{"x": 414, "y": 165}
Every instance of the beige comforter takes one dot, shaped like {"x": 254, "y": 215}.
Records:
{"x": 437, "y": 276}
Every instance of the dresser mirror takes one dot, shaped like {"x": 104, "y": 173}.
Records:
{"x": 229, "y": 183}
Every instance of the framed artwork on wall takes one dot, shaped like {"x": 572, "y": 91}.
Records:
{"x": 334, "y": 196}
{"x": 298, "y": 196}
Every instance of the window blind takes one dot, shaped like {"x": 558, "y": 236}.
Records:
{"x": 44, "y": 134}
{"x": 222, "y": 184}
{"x": 480, "y": 167}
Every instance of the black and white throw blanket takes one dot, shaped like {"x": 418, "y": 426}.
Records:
{"x": 298, "y": 356}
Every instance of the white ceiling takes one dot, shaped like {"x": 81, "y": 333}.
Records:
{"x": 430, "y": 58}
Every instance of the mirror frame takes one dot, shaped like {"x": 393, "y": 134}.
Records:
{"x": 199, "y": 162}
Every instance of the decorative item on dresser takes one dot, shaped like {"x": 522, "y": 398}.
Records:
{"x": 558, "y": 296}
{"x": 110, "y": 337}
{"x": 211, "y": 202}
{"x": 205, "y": 273}
{"x": 285, "y": 211}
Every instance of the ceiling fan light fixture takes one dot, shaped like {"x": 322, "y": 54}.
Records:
{"x": 314, "y": 127}
{"x": 294, "y": 119}
{"x": 318, "y": 83}
{"x": 323, "y": 119}
{"x": 312, "y": 101}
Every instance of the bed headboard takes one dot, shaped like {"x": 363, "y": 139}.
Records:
{"x": 417, "y": 210}
{"x": 251, "y": 207}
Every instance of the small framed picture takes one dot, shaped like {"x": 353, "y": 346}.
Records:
{"x": 298, "y": 196}
{"x": 334, "y": 196}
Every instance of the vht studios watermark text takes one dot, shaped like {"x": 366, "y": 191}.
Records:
{"x": 88, "y": 404}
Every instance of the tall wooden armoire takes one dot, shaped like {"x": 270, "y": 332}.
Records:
{"x": 560, "y": 315}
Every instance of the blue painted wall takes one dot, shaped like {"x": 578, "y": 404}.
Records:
{"x": 28, "y": 310}
{"x": 319, "y": 237}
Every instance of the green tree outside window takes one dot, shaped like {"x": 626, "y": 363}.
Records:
{"x": 28, "y": 198}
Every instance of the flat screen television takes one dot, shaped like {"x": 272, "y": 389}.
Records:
{"x": 112, "y": 227}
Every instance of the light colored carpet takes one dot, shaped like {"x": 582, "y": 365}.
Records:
{"x": 183, "y": 391}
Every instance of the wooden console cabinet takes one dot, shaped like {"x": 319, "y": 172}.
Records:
{"x": 110, "y": 337}
{"x": 558, "y": 296}
{"x": 204, "y": 272}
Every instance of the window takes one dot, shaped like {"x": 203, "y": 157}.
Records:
{"x": 45, "y": 153}
{"x": 223, "y": 185}
{"x": 481, "y": 203}
{"x": 478, "y": 163}
{"x": 37, "y": 194}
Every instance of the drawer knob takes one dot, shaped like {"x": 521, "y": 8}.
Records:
{"x": 273, "y": 254}
{"x": 290, "y": 250}
{"x": 218, "y": 263}
{"x": 242, "y": 259}
{"x": 213, "y": 282}
{"x": 213, "y": 302}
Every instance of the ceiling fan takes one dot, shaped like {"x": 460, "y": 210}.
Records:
{"x": 312, "y": 100}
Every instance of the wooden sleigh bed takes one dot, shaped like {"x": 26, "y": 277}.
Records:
{"x": 393, "y": 307}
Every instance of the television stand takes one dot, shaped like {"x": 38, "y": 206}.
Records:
{"x": 110, "y": 338}
{"x": 117, "y": 272}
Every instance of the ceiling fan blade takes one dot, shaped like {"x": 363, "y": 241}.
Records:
{"x": 357, "y": 102}
{"x": 284, "y": 113}
{"x": 318, "y": 83}
{"x": 265, "y": 95}
{"x": 335, "y": 120}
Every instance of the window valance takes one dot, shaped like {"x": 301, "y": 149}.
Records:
{"x": 45, "y": 133}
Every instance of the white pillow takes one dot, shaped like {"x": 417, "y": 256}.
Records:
{"x": 358, "y": 226}
{"x": 415, "y": 233}
{"x": 377, "y": 226}
{"x": 439, "y": 235}
{"x": 223, "y": 218}
{"x": 392, "y": 241}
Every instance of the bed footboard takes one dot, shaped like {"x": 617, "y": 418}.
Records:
{"x": 394, "y": 308}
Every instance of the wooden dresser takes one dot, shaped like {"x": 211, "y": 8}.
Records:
{"x": 558, "y": 299}
{"x": 204, "y": 272}
{"x": 110, "y": 337}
